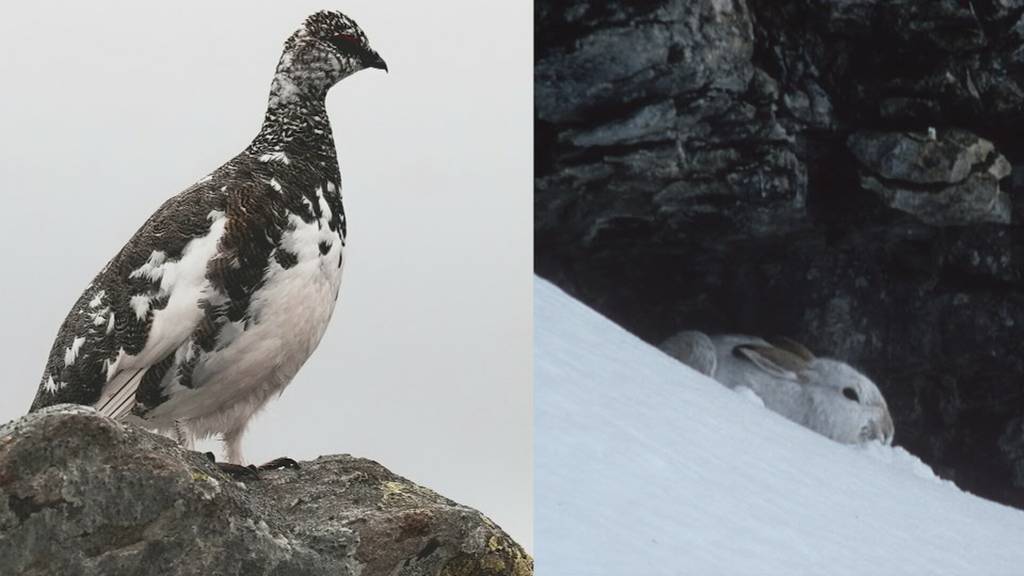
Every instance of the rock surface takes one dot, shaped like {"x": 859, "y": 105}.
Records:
{"x": 946, "y": 180}
{"x": 766, "y": 167}
{"x": 82, "y": 494}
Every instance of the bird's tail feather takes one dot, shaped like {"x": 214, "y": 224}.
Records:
{"x": 118, "y": 397}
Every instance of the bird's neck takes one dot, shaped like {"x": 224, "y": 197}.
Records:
{"x": 294, "y": 82}
{"x": 296, "y": 122}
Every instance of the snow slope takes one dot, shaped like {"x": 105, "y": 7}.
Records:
{"x": 645, "y": 467}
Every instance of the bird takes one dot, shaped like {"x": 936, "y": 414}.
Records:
{"x": 220, "y": 297}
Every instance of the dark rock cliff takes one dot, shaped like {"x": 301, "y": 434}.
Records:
{"x": 81, "y": 494}
{"x": 849, "y": 173}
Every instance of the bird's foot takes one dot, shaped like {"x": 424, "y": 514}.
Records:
{"x": 251, "y": 472}
{"x": 239, "y": 472}
{"x": 279, "y": 463}
{"x": 236, "y": 471}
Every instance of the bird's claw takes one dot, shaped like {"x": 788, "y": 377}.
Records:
{"x": 279, "y": 463}
{"x": 250, "y": 471}
{"x": 236, "y": 471}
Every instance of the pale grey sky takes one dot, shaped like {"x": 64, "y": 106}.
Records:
{"x": 108, "y": 108}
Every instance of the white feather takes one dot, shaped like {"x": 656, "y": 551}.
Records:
{"x": 184, "y": 283}
{"x": 289, "y": 316}
{"x": 71, "y": 354}
{"x": 97, "y": 300}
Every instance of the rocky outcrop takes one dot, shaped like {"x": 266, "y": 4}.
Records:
{"x": 848, "y": 173}
{"x": 946, "y": 180}
{"x": 83, "y": 494}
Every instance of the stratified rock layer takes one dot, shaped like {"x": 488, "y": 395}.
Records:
{"x": 769, "y": 167}
{"x": 948, "y": 179}
{"x": 83, "y": 494}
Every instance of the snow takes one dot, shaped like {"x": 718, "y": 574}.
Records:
{"x": 643, "y": 466}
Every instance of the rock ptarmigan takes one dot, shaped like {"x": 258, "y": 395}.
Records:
{"x": 220, "y": 297}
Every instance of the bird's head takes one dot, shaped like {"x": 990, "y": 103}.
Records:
{"x": 340, "y": 36}
{"x": 328, "y": 47}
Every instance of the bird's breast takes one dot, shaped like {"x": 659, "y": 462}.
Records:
{"x": 287, "y": 315}
{"x": 296, "y": 300}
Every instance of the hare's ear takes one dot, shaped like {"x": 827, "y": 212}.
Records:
{"x": 791, "y": 346}
{"x": 775, "y": 361}
{"x": 694, "y": 349}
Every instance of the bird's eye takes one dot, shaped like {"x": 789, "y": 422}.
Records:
{"x": 851, "y": 394}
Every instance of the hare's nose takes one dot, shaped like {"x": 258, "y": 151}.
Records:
{"x": 889, "y": 428}
{"x": 876, "y": 430}
{"x": 884, "y": 430}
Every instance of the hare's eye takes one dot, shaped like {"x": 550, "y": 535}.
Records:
{"x": 851, "y": 394}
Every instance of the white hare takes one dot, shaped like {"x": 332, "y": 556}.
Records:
{"x": 825, "y": 395}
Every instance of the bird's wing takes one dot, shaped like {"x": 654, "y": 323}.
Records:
{"x": 215, "y": 278}
{"x": 188, "y": 272}
{"x": 139, "y": 309}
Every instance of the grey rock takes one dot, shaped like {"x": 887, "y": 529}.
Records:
{"x": 661, "y": 117}
{"x": 916, "y": 158}
{"x": 975, "y": 200}
{"x": 639, "y": 54}
{"x": 81, "y": 494}
{"x": 1012, "y": 442}
{"x": 951, "y": 180}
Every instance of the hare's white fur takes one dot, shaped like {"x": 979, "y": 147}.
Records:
{"x": 825, "y": 395}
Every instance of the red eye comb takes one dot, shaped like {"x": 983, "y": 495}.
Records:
{"x": 348, "y": 38}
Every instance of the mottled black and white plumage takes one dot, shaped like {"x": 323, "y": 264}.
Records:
{"x": 221, "y": 296}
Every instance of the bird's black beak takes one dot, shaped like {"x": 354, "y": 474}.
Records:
{"x": 373, "y": 60}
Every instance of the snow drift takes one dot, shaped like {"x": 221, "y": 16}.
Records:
{"x": 643, "y": 466}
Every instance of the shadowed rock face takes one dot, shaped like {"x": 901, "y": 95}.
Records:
{"x": 947, "y": 179}
{"x": 766, "y": 167}
{"x": 82, "y": 494}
